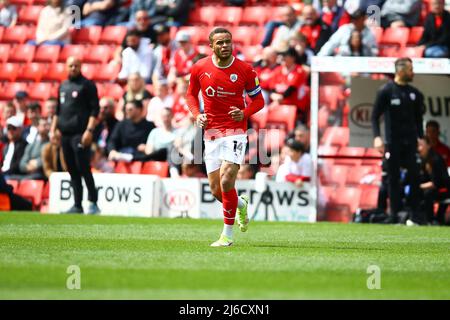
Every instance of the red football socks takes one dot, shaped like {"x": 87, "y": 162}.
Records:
{"x": 229, "y": 202}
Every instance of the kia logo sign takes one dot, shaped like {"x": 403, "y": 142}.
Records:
{"x": 179, "y": 200}
{"x": 361, "y": 114}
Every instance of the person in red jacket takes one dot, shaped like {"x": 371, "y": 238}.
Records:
{"x": 432, "y": 131}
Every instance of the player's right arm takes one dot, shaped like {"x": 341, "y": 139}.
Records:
{"x": 378, "y": 110}
{"x": 192, "y": 98}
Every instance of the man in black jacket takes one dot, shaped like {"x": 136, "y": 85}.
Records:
{"x": 402, "y": 106}
{"x": 14, "y": 149}
{"x": 436, "y": 35}
{"x": 75, "y": 119}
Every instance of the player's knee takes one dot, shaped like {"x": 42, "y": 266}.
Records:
{"x": 226, "y": 183}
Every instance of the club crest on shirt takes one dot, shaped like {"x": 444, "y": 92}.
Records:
{"x": 412, "y": 95}
{"x": 62, "y": 98}
{"x": 74, "y": 94}
{"x": 233, "y": 77}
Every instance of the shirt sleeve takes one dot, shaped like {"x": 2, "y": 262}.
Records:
{"x": 192, "y": 92}
{"x": 252, "y": 84}
{"x": 93, "y": 102}
{"x": 378, "y": 110}
{"x": 419, "y": 115}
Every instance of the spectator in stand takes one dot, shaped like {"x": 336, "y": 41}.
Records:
{"x": 315, "y": 30}
{"x": 99, "y": 12}
{"x": 333, "y": 15}
{"x": 53, "y": 157}
{"x": 304, "y": 53}
{"x": 246, "y": 172}
{"x": 301, "y": 134}
{"x": 434, "y": 182}
{"x": 31, "y": 132}
{"x": 99, "y": 163}
{"x": 129, "y": 136}
{"x": 9, "y": 110}
{"x": 106, "y": 123}
{"x": 400, "y": 13}
{"x": 160, "y": 139}
{"x": 14, "y": 149}
{"x": 182, "y": 59}
{"x": 50, "y": 108}
{"x": 137, "y": 57}
{"x": 15, "y": 202}
{"x": 179, "y": 108}
{"x": 21, "y": 102}
{"x": 297, "y": 167}
{"x": 173, "y": 12}
{"x": 135, "y": 91}
{"x": 432, "y": 132}
{"x": 163, "y": 99}
{"x": 141, "y": 24}
{"x": 8, "y": 14}
{"x": 265, "y": 68}
{"x": 31, "y": 163}
{"x": 341, "y": 41}
{"x": 288, "y": 82}
{"x": 285, "y": 28}
{"x": 436, "y": 34}
{"x": 53, "y": 25}
{"x": 163, "y": 52}
{"x": 149, "y": 6}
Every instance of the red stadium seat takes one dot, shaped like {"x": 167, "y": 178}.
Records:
{"x": 159, "y": 168}
{"x": 395, "y": 36}
{"x": 89, "y": 70}
{"x": 195, "y": 32}
{"x": 414, "y": 35}
{"x": 255, "y": 16}
{"x": 40, "y": 91}
{"x": 31, "y": 189}
{"x": 355, "y": 174}
{"x": 31, "y": 33}
{"x": 369, "y": 197}
{"x": 282, "y": 116}
{"x": 100, "y": 89}
{"x": 390, "y": 52}
{"x": 113, "y": 90}
{"x": 251, "y": 53}
{"x": 14, "y": 184}
{"x": 22, "y": 53}
{"x": 203, "y": 16}
{"x": 330, "y": 95}
{"x": 113, "y": 35}
{"x": 29, "y": 14}
{"x": 97, "y": 54}
{"x": 2, "y": 30}
{"x": 336, "y": 136}
{"x": 229, "y": 16}
{"x": 243, "y": 35}
{"x": 335, "y": 175}
{"x": 71, "y": 50}
{"x": 9, "y": 71}
{"x": 327, "y": 151}
{"x": 22, "y": 2}
{"x": 372, "y": 157}
{"x": 106, "y": 72}
{"x": 9, "y": 90}
{"x": 354, "y": 155}
{"x": 274, "y": 140}
{"x": 16, "y": 34}
{"x": 32, "y": 72}
{"x": 412, "y": 52}
{"x": 347, "y": 196}
{"x": 4, "y": 52}
{"x": 128, "y": 167}
{"x": 56, "y": 72}
{"x": 89, "y": 35}
{"x": 48, "y": 54}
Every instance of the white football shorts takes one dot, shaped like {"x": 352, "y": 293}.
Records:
{"x": 229, "y": 148}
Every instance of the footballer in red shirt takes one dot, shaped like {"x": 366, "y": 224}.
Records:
{"x": 223, "y": 81}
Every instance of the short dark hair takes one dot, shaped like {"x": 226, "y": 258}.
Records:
{"x": 296, "y": 145}
{"x": 433, "y": 123}
{"x": 34, "y": 106}
{"x": 216, "y": 31}
{"x": 133, "y": 32}
{"x": 400, "y": 63}
{"x": 136, "y": 103}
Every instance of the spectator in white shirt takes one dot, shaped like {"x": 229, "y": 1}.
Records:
{"x": 162, "y": 99}
{"x": 137, "y": 57}
{"x": 297, "y": 167}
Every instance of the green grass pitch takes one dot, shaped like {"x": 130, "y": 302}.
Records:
{"x": 155, "y": 258}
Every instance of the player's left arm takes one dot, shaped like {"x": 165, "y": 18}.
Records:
{"x": 420, "y": 110}
{"x": 254, "y": 92}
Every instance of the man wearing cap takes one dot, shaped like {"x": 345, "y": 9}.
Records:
{"x": 75, "y": 119}
{"x": 182, "y": 60}
{"x": 341, "y": 38}
{"x": 14, "y": 149}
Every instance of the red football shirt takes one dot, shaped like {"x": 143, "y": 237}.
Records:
{"x": 283, "y": 79}
{"x": 182, "y": 62}
{"x": 222, "y": 87}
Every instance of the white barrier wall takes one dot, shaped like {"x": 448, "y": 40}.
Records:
{"x": 118, "y": 194}
{"x": 150, "y": 196}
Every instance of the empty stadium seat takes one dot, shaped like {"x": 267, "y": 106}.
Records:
{"x": 40, "y": 91}
{"x": 88, "y": 70}
{"x": 113, "y": 35}
{"x": 355, "y": 174}
{"x": 334, "y": 175}
{"x": 128, "y": 167}
{"x": 9, "y": 90}
{"x": 415, "y": 34}
{"x": 113, "y": 90}
{"x": 55, "y": 72}
{"x": 243, "y": 35}
{"x": 203, "y": 16}
{"x": 274, "y": 140}
{"x": 32, "y": 190}
{"x": 255, "y": 16}
{"x": 195, "y": 32}
{"x": 336, "y": 136}
{"x": 372, "y": 157}
{"x": 351, "y": 156}
{"x": 347, "y": 196}
{"x": 389, "y": 52}
{"x": 48, "y": 54}
{"x": 395, "y": 36}
{"x": 71, "y": 50}
{"x": 106, "y": 72}
{"x": 9, "y": 71}
{"x": 369, "y": 197}
{"x": 22, "y": 2}
{"x": 89, "y": 35}
{"x": 327, "y": 151}
{"x": 32, "y": 72}
{"x": 16, "y": 34}
{"x": 160, "y": 168}
{"x": 97, "y": 54}
{"x": 4, "y": 52}
{"x": 282, "y": 116}
{"x": 229, "y": 16}
{"x": 22, "y": 53}
{"x": 412, "y": 52}
{"x": 14, "y": 184}
{"x": 29, "y": 14}
{"x": 330, "y": 95}
{"x": 251, "y": 53}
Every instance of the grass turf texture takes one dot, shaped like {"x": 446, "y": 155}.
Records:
{"x": 138, "y": 258}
